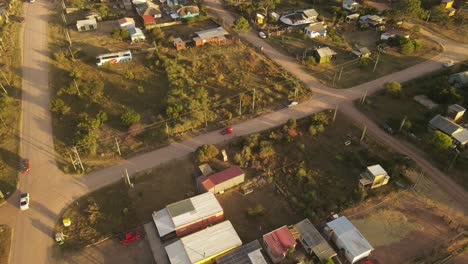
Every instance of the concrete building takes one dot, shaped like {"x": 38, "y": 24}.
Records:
{"x": 374, "y": 176}
{"x": 187, "y": 216}
{"x": 136, "y": 34}
{"x": 204, "y": 245}
{"x": 278, "y": 242}
{"x": 316, "y": 30}
{"x": 312, "y": 241}
{"x": 86, "y": 25}
{"x": 324, "y": 55}
{"x": 347, "y": 238}
{"x": 250, "y": 253}
{"x": 221, "y": 181}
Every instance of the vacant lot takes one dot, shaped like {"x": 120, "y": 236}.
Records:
{"x": 10, "y": 100}
{"x": 5, "y": 241}
{"x": 406, "y": 223}
{"x": 384, "y": 107}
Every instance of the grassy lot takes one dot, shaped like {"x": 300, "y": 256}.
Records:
{"x": 10, "y": 104}
{"x": 385, "y": 108}
{"x": 173, "y": 93}
{"x": 5, "y": 241}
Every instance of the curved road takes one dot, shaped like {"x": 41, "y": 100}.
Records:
{"x": 51, "y": 190}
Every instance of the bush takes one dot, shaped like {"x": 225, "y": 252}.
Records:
{"x": 444, "y": 95}
{"x": 257, "y": 210}
{"x": 393, "y": 89}
{"x": 440, "y": 141}
{"x": 241, "y": 25}
{"x": 130, "y": 117}
{"x": 158, "y": 34}
{"x": 75, "y": 73}
{"x": 58, "y": 106}
{"x": 120, "y": 33}
{"x": 206, "y": 152}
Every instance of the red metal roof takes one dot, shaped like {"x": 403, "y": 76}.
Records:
{"x": 279, "y": 240}
{"x": 147, "y": 19}
{"x": 205, "y": 182}
{"x": 220, "y": 177}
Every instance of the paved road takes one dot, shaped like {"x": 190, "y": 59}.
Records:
{"x": 51, "y": 190}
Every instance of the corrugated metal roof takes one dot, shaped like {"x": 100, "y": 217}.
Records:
{"x": 314, "y": 239}
{"x": 180, "y": 207}
{"x": 279, "y": 241}
{"x": 204, "y": 244}
{"x": 316, "y": 27}
{"x": 456, "y": 108}
{"x": 445, "y": 125}
{"x": 350, "y": 237}
{"x": 126, "y": 20}
{"x": 325, "y": 52}
{"x": 310, "y": 13}
{"x": 85, "y": 22}
{"x": 256, "y": 257}
{"x": 204, "y": 205}
{"x": 212, "y": 33}
{"x": 163, "y": 222}
{"x": 225, "y": 175}
{"x": 461, "y": 136}
{"x": 376, "y": 170}
{"x": 241, "y": 255}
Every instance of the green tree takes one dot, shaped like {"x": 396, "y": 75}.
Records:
{"x": 266, "y": 150}
{"x": 444, "y": 95}
{"x": 439, "y": 15}
{"x": 130, "y": 117}
{"x": 206, "y": 152}
{"x": 393, "y": 89}
{"x": 75, "y": 73}
{"x": 265, "y": 5}
{"x": 241, "y": 25}
{"x": 94, "y": 89}
{"x": 158, "y": 34}
{"x": 77, "y": 3}
{"x": 410, "y": 8}
{"x": 58, "y": 106}
{"x": 440, "y": 141}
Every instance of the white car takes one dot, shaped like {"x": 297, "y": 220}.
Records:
{"x": 24, "y": 201}
{"x": 448, "y": 64}
{"x": 292, "y": 103}
{"x": 262, "y": 35}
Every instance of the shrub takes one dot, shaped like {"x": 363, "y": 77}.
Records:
{"x": 75, "y": 73}
{"x": 266, "y": 150}
{"x": 130, "y": 117}
{"x": 58, "y": 106}
{"x": 393, "y": 89}
{"x": 158, "y": 34}
{"x": 241, "y": 25}
{"x": 440, "y": 141}
{"x": 206, "y": 152}
{"x": 140, "y": 89}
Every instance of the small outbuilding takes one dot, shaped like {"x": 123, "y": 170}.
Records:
{"x": 348, "y": 238}
{"x": 250, "y": 253}
{"x": 221, "y": 181}
{"x": 312, "y": 241}
{"x": 126, "y": 22}
{"x": 86, "y": 25}
{"x": 179, "y": 44}
{"x": 362, "y": 52}
{"x": 278, "y": 242}
{"x": 374, "y": 176}
{"x": 450, "y": 128}
{"x": 149, "y": 21}
{"x": 352, "y": 18}
{"x": 316, "y": 30}
{"x": 323, "y": 55}
{"x": 455, "y": 112}
{"x": 351, "y": 5}
{"x": 136, "y": 34}
{"x": 216, "y": 35}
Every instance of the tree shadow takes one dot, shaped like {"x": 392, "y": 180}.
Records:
{"x": 10, "y": 159}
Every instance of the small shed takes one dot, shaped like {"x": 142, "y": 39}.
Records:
{"x": 316, "y": 30}
{"x": 352, "y": 18}
{"x": 86, "y": 25}
{"x": 136, "y": 34}
{"x": 179, "y": 44}
{"x": 217, "y": 35}
{"x": 126, "y": 22}
{"x": 250, "y": 253}
{"x": 374, "y": 176}
{"x": 149, "y": 21}
{"x": 221, "y": 181}
{"x": 351, "y": 5}
{"x": 455, "y": 112}
{"x": 362, "y": 52}
{"x": 348, "y": 238}
{"x": 278, "y": 242}
{"x": 312, "y": 241}
{"x": 323, "y": 55}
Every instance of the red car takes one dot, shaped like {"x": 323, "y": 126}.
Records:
{"x": 128, "y": 237}
{"x": 227, "y": 130}
{"x": 24, "y": 166}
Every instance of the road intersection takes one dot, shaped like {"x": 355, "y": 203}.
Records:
{"x": 51, "y": 190}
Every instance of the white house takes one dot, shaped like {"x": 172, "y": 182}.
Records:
{"x": 86, "y": 25}
{"x": 316, "y": 30}
{"x": 136, "y": 34}
{"x": 300, "y": 17}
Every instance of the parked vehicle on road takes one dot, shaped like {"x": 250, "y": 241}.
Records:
{"x": 448, "y": 64}
{"x": 24, "y": 165}
{"x": 262, "y": 35}
{"x": 291, "y": 103}
{"x": 24, "y": 201}
{"x": 388, "y": 128}
{"x": 227, "y": 130}
{"x": 129, "y": 237}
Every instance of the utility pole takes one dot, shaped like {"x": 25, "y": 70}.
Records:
{"x": 167, "y": 130}
{"x": 295, "y": 92}
{"x": 117, "y": 145}
{"x": 253, "y": 101}
{"x": 6, "y": 80}
{"x": 72, "y": 161}
{"x": 78, "y": 158}
{"x": 341, "y": 71}
{"x": 127, "y": 179}
{"x": 428, "y": 16}
{"x": 376, "y": 61}
{"x": 363, "y": 133}
{"x": 204, "y": 116}
{"x": 4, "y": 90}
{"x": 240, "y": 104}
{"x": 364, "y": 97}
{"x": 334, "y": 113}
{"x": 402, "y": 124}
{"x": 334, "y": 77}
{"x": 76, "y": 86}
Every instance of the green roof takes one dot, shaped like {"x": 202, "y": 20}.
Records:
{"x": 180, "y": 207}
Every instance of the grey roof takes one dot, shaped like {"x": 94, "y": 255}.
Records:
{"x": 456, "y": 108}
{"x": 444, "y": 124}
{"x": 461, "y": 76}
{"x": 240, "y": 255}
{"x": 311, "y": 236}
{"x": 325, "y": 52}
{"x": 310, "y": 13}
{"x": 212, "y": 33}
{"x": 316, "y": 27}
{"x": 461, "y": 136}
{"x": 180, "y": 207}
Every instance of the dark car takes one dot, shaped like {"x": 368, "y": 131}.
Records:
{"x": 24, "y": 166}
{"x": 388, "y": 128}
{"x": 227, "y": 130}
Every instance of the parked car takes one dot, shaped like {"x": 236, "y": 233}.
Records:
{"x": 448, "y": 64}
{"x": 24, "y": 165}
{"x": 24, "y": 201}
{"x": 262, "y": 35}
{"x": 32, "y": 1}
{"x": 291, "y": 103}
{"x": 388, "y": 128}
{"x": 129, "y": 237}
{"x": 227, "y": 130}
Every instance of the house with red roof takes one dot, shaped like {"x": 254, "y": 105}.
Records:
{"x": 149, "y": 21}
{"x": 278, "y": 242}
{"x": 221, "y": 181}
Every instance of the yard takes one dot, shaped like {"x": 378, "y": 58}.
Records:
{"x": 385, "y": 108}
{"x": 10, "y": 101}
{"x": 159, "y": 96}
{"x": 5, "y": 241}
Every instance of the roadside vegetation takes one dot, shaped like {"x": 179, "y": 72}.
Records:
{"x": 10, "y": 99}
{"x": 5, "y": 241}
{"x": 159, "y": 96}
{"x": 392, "y": 106}
{"x": 301, "y": 169}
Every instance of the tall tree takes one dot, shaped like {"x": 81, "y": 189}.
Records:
{"x": 410, "y": 8}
